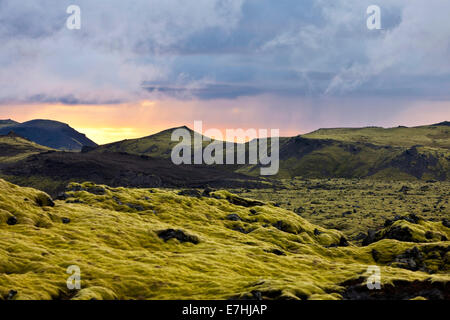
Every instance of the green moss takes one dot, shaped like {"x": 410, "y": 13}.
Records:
{"x": 121, "y": 255}
{"x": 432, "y": 136}
{"x": 14, "y": 148}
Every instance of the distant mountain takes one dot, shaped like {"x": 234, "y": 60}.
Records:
{"x": 52, "y": 134}
{"x": 9, "y": 122}
{"x": 445, "y": 123}
{"x": 387, "y": 154}
{"x": 158, "y": 145}
{"x": 395, "y": 153}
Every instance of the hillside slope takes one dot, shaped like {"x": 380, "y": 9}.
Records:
{"x": 14, "y": 148}
{"x": 436, "y": 136}
{"x": 52, "y": 171}
{"x": 336, "y": 153}
{"x": 52, "y": 134}
{"x": 8, "y": 122}
{"x": 158, "y": 145}
{"x": 327, "y": 158}
{"x": 155, "y": 244}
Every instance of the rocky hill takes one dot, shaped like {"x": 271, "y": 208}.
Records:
{"x": 52, "y": 134}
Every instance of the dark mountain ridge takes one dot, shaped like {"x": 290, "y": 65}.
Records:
{"x": 48, "y": 133}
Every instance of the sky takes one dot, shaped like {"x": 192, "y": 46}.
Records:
{"x": 139, "y": 67}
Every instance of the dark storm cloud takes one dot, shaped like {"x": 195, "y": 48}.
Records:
{"x": 206, "y": 49}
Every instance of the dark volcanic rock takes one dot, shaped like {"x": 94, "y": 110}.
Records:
{"x": 343, "y": 242}
{"x": 243, "y": 202}
{"x": 270, "y": 294}
{"x": 283, "y": 226}
{"x": 62, "y": 196}
{"x": 43, "y": 200}
{"x": 398, "y": 290}
{"x": 12, "y": 221}
{"x": 11, "y": 294}
{"x": 399, "y": 233}
{"x": 411, "y": 218}
{"x": 242, "y": 230}
{"x": 190, "y": 193}
{"x": 277, "y": 252}
{"x": 375, "y": 255}
{"x": 97, "y": 190}
{"x": 136, "y": 207}
{"x": 404, "y": 189}
{"x": 233, "y": 217}
{"x": 257, "y": 294}
{"x": 177, "y": 234}
{"x": 359, "y": 236}
{"x": 446, "y": 223}
{"x": 346, "y": 213}
{"x": 411, "y": 259}
{"x": 65, "y": 220}
{"x": 370, "y": 238}
{"x": 207, "y": 191}
{"x": 299, "y": 210}
{"x": 74, "y": 201}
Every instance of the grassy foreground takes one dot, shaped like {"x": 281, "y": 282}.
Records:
{"x": 159, "y": 244}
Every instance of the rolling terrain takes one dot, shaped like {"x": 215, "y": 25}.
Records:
{"x": 356, "y": 206}
{"x": 140, "y": 227}
{"x": 51, "y": 171}
{"x": 172, "y": 244}
{"x": 434, "y": 136}
{"x": 146, "y": 162}
{"x": 337, "y": 153}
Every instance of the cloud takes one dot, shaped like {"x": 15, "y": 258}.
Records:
{"x": 221, "y": 49}
{"x": 119, "y": 46}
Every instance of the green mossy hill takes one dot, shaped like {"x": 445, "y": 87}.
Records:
{"x": 412, "y": 229}
{"x": 319, "y": 158}
{"x": 158, "y": 145}
{"x": 15, "y": 148}
{"x": 432, "y": 136}
{"x": 159, "y": 244}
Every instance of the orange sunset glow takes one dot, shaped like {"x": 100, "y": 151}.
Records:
{"x": 109, "y": 123}
{"x": 114, "y": 122}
